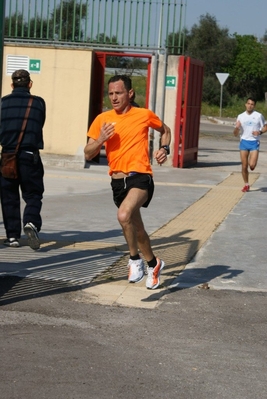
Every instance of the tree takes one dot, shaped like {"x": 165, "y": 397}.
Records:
{"x": 38, "y": 28}
{"x": 264, "y": 38}
{"x": 248, "y": 68}
{"x": 67, "y": 20}
{"x": 103, "y": 39}
{"x": 128, "y": 64}
{"x": 176, "y": 42}
{"x": 212, "y": 92}
{"x": 14, "y": 26}
{"x": 211, "y": 44}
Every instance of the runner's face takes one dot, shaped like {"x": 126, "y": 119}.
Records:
{"x": 250, "y": 105}
{"x": 119, "y": 96}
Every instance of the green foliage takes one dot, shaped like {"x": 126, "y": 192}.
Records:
{"x": 102, "y": 38}
{"x": 248, "y": 68}
{"x": 36, "y": 28}
{"x": 211, "y": 44}
{"x": 64, "y": 23}
{"x": 243, "y": 57}
{"x": 235, "y": 107}
{"x": 129, "y": 64}
{"x": 176, "y": 42}
{"x": 212, "y": 91}
{"x": 14, "y": 26}
{"x": 67, "y": 18}
{"x": 264, "y": 38}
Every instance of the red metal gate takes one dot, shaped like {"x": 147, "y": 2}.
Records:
{"x": 188, "y": 111}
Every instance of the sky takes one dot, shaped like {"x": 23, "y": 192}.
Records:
{"x": 245, "y": 17}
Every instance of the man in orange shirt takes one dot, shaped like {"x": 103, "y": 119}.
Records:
{"x": 124, "y": 132}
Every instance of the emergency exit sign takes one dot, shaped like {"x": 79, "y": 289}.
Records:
{"x": 170, "y": 81}
{"x": 34, "y": 66}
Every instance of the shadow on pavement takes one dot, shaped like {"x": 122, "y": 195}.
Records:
{"x": 54, "y": 272}
{"x": 216, "y": 164}
{"x": 17, "y": 289}
{"x": 199, "y": 277}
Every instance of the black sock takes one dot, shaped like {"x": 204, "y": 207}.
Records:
{"x": 135, "y": 257}
{"x": 152, "y": 263}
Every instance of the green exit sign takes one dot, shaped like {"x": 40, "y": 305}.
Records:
{"x": 34, "y": 65}
{"x": 170, "y": 81}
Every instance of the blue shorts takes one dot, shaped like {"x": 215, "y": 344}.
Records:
{"x": 249, "y": 145}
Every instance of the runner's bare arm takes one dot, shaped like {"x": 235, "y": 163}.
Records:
{"x": 94, "y": 146}
{"x": 165, "y": 132}
{"x": 161, "y": 154}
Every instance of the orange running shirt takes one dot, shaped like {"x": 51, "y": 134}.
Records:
{"x": 127, "y": 149}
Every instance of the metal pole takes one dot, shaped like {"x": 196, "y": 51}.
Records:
{"x": 184, "y": 27}
{"x": 160, "y": 26}
{"x": 221, "y": 100}
{"x": 180, "y": 28}
{"x": 2, "y": 32}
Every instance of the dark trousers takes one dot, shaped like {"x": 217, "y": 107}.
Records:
{"x": 30, "y": 182}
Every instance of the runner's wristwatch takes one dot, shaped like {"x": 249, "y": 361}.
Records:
{"x": 166, "y": 148}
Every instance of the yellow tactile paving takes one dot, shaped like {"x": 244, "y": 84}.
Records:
{"x": 177, "y": 242}
{"x": 85, "y": 245}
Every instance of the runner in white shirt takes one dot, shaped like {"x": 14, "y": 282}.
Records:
{"x": 249, "y": 125}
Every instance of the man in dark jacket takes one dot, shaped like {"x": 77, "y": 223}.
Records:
{"x": 30, "y": 167}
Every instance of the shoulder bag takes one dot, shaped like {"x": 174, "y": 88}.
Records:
{"x": 9, "y": 167}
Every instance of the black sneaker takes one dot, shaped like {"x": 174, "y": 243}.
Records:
{"x": 31, "y": 232}
{"x": 11, "y": 242}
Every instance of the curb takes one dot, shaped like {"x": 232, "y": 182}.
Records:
{"x": 230, "y": 122}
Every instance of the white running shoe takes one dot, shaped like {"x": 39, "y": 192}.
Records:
{"x": 136, "y": 270}
{"x": 31, "y": 232}
{"x": 11, "y": 242}
{"x": 153, "y": 274}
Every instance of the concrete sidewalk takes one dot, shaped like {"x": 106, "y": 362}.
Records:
{"x": 209, "y": 233}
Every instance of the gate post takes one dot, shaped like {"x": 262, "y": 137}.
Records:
{"x": 189, "y": 96}
{"x": 178, "y": 111}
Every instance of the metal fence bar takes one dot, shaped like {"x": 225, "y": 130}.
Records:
{"x": 111, "y": 20}
{"x": 142, "y": 23}
{"x": 136, "y": 24}
{"x": 129, "y": 23}
{"x": 117, "y": 19}
{"x": 22, "y": 16}
{"x": 41, "y": 22}
{"x": 29, "y": 14}
{"x": 105, "y": 19}
{"x": 168, "y": 22}
{"x": 60, "y": 18}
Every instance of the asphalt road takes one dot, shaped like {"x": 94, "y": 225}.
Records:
{"x": 212, "y": 126}
{"x": 199, "y": 344}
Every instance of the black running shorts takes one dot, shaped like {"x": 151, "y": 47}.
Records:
{"x": 120, "y": 187}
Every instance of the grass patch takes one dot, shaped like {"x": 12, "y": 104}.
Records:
{"x": 231, "y": 111}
